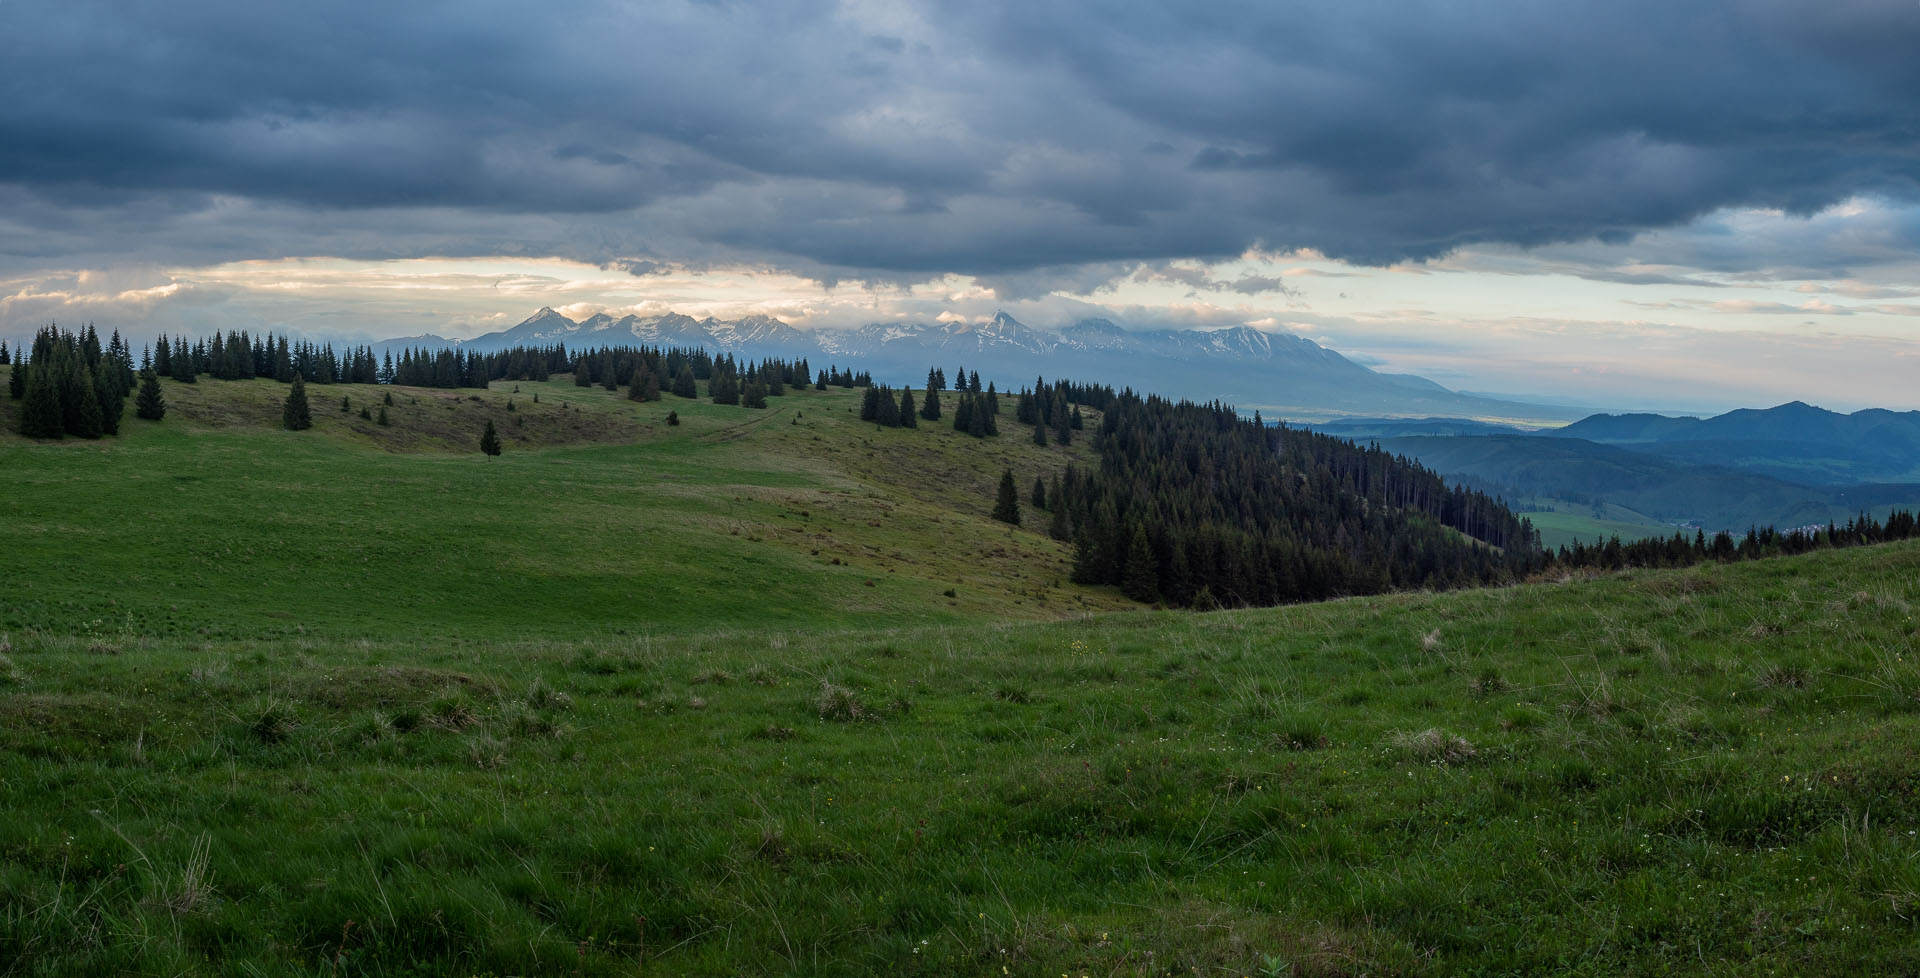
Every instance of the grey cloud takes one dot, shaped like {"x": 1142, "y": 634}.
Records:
{"x": 1257, "y": 285}
{"x": 997, "y": 139}
{"x": 1202, "y": 280}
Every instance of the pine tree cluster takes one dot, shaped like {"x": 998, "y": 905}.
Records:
{"x": 236, "y": 355}
{"x": 70, "y": 385}
{"x": 978, "y": 414}
{"x": 880, "y": 406}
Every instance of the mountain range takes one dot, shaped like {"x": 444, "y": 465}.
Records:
{"x": 1279, "y": 373}
{"x": 1789, "y": 465}
{"x": 1795, "y": 442}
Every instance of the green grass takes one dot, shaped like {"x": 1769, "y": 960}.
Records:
{"x": 606, "y": 521}
{"x": 441, "y": 771}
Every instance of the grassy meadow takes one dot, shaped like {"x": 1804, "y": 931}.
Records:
{"x": 598, "y": 519}
{"x": 632, "y": 699}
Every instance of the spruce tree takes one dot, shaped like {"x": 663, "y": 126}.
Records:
{"x": 1039, "y": 497}
{"x": 71, "y": 372}
{"x": 89, "y": 420}
{"x": 907, "y": 414}
{"x": 1140, "y": 580}
{"x": 184, "y": 369}
{"x": 112, "y": 397}
{"x": 1061, "y": 526}
{"x": 641, "y": 376}
{"x": 1040, "y": 435}
{"x": 930, "y": 409}
{"x": 150, "y": 403}
{"x": 980, "y": 421}
{"x": 381, "y": 418}
{"x": 490, "y": 440}
{"x": 40, "y": 404}
{"x": 17, "y": 381}
{"x": 1006, "y": 508}
{"x": 294, "y": 415}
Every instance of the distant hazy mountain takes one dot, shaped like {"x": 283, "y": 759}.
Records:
{"x": 1668, "y": 489}
{"x": 1790, "y": 465}
{"x": 1795, "y": 441}
{"x": 1279, "y": 373}
{"x": 1623, "y": 429}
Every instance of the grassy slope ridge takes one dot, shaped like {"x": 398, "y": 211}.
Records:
{"x": 599, "y": 518}
{"x": 1709, "y": 771}
{"x": 276, "y": 703}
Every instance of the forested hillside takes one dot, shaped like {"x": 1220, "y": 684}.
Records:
{"x": 1187, "y": 505}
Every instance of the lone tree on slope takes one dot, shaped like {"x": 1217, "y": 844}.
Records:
{"x": 490, "y": 440}
{"x": 1006, "y": 508}
{"x": 294, "y": 415}
{"x": 149, "y": 403}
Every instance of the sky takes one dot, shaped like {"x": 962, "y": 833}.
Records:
{"x": 1626, "y": 204}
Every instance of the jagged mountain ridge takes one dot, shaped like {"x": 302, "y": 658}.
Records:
{"x": 1284, "y": 374}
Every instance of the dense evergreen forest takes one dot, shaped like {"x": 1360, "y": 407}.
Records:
{"x": 1195, "y": 506}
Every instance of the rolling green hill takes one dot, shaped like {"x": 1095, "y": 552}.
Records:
{"x": 598, "y": 518}
{"x": 639, "y": 699}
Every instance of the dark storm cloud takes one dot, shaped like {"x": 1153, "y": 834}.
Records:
{"x": 999, "y": 139}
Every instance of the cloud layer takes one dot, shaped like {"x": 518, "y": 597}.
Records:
{"x": 1010, "y": 141}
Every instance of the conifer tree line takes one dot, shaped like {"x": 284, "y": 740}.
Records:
{"x": 646, "y": 371}
{"x": 1681, "y": 551}
{"x": 238, "y": 356}
{"x": 70, "y": 385}
{"x": 846, "y": 379}
{"x": 1052, "y": 412}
